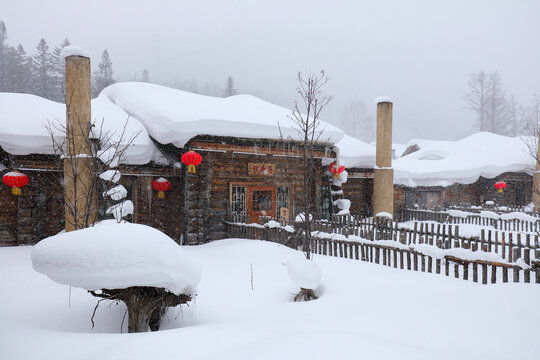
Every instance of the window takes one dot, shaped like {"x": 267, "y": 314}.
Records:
{"x": 325, "y": 202}
{"x": 238, "y": 203}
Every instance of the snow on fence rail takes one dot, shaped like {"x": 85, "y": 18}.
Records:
{"x": 399, "y": 256}
{"x": 506, "y": 222}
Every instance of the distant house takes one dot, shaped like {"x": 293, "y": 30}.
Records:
{"x": 251, "y": 162}
{"x": 435, "y": 174}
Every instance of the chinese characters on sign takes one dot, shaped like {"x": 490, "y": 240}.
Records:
{"x": 262, "y": 169}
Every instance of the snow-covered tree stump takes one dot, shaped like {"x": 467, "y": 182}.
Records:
{"x": 132, "y": 263}
{"x": 145, "y": 305}
{"x": 305, "y": 274}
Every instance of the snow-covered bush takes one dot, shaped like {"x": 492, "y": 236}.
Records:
{"x": 305, "y": 274}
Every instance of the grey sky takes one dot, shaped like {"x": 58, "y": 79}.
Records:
{"x": 420, "y": 53}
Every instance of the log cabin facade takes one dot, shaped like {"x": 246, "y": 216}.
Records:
{"x": 238, "y": 180}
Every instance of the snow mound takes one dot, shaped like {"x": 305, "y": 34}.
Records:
{"x": 304, "y": 273}
{"x": 443, "y": 163}
{"x": 384, "y": 214}
{"x": 115, "y": 255}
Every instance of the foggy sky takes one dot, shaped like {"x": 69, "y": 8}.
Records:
{"x": 420, "y": 53}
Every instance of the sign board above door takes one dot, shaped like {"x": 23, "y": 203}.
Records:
{"x": 261, "y": 169}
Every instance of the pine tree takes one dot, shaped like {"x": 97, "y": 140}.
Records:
{"x": 22, "y": 71}
{"x": 103, "y": 77}
{"x": 44, "y": 80}
{"x": 497, "y": 106}
{"x": 229, "y": 88}
{"x": 4, "y": 50}
{"x": 145, "y": 76}
{"x": 59, "y": 71}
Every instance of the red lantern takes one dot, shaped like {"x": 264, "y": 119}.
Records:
{"x": 16, "y": 180}
{"x": 336, "y": 170}
{"x": 161, "y": 185}
{"x": 500, "y": 185}
{"x": 191, "y": 159}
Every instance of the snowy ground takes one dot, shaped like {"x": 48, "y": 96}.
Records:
{"x": 366, "y": 311}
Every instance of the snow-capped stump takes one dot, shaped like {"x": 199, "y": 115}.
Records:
{"x": 133, "y": 263}
{"x": 305, "y": 274}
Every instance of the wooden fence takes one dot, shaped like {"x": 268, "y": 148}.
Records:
{"x": 404, "y": 258}
{"x": 476, "y": 219}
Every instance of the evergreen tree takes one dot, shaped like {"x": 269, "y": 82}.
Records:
{"x": 145, "y": 76}
{"x": 44, "y": 80}
{"x": 59, "y": 71}
{"x": 229, "y": 88}
{"x": 103, "y": 77}
{"x": 21, "y": 71}
{"x": 4, "y": 50}
{"x": 497, "y": 106}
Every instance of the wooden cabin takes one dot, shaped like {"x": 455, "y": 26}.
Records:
{"x": 256, "y": 171}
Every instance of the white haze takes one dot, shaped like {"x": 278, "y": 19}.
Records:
{"x": 420, "y": 53}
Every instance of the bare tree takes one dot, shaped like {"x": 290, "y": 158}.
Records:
{"x": 477, "y": 97}
{"x": 532, "y": 117}
{"x": 356, "y": 121}
{"x": 104, "y": 150}
{"x": 306, "y": 115}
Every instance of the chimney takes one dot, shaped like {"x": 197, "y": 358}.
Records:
{"x": 383, "y": 187}
{"x": 80, "y": 197}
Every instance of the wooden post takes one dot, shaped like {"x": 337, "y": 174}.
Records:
{"x": 80, "y": 197}
{"x": 383, "y": 182}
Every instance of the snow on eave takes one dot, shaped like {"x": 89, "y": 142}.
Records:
{"x": 444, "y": 163}
{"x": 24, "y": 119}
{"x": 355, "y": 153}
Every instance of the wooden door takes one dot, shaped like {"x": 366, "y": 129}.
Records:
{"x": 261, "y": 202}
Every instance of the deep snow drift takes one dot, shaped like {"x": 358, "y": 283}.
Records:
{"x": 365, "y": 311}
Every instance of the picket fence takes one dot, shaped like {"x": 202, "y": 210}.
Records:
{"x": 404, "y": 258}
{"x": 476, "y": 219}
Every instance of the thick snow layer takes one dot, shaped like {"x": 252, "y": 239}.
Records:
{"x": 111, "y": 175}
{"x": 445, "y": 163}
{"x": 363, "y": 313}
{"x": 24, "y": 119}
{"x": 115, "y": 255}
{"x": 74, "y": 50}
{"x": 175, "y": 116}
{"x": 116, "y": 193}
{"x": 304, "y": 273}
{"x": 342, "y": 204}
{"x": 121, "y": 210}
{"x": 382, "y": 99}
{"x": 355, "y": 153}
{"x": 384, "y": 214}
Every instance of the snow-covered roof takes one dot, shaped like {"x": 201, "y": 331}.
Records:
{"x": 24, "y": 119}
{"x": 175, "y": 116}
{"x": 167, "y": 115}
{"x": 443, "y": 163}
{"x": 355, "y": 153}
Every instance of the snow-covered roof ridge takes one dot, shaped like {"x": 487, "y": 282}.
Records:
{"x": 174, "y": 116}
{"x": 443, "y": 163}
